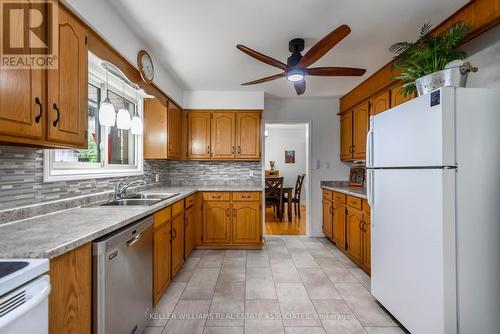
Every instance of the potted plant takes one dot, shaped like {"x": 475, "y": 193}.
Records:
{"x": 425, "y": 64}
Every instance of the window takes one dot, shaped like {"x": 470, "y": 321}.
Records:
{"x": 111, "y": 152}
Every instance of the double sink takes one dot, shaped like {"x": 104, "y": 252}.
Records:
{"x": 142, "y": 199}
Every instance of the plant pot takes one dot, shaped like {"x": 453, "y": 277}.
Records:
{"x": 455, "y": 76}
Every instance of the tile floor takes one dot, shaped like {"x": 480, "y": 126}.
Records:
{"x": 295, "y": 285}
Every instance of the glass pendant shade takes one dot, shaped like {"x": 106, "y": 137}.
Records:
{"x": 107, "y": 114}
{"x": 123, "y": 119}
{"x": 136, "y": 125}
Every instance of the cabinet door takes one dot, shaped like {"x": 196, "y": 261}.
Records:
{"x": 223, "y": 135}
{"x": 198, "y": 135}
{"x": 339, "y": 225}
{"x": 216, "y": 223}
{"x": 397, "y": 98}
{"x": 346, "y": 136}
{"x": 328, "y": 218}
{"x": 248, "y": 135}
{"x": 67, "y": 85}
{"x": 381, "y": 103}
{"x": 162, "y": 261}
{"x": 155, "y": 129}
{"x": 188, "y": 231}
{"x": 174, "y": 131}
{"x": 366, "y": 242}
{"x": 22, "y": 104}
{"x": 360, "y": 129}
{"x": 354, "y": 235}
{"x": 177, "y": 243}
{"x": 246, "y": 223}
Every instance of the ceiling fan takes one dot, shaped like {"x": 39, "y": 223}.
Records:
{"x": 297, "y": 66}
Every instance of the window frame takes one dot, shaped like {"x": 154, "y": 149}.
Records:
{"x": 67, "y": 171}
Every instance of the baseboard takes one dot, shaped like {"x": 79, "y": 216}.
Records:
{"x": 317, "y": 235}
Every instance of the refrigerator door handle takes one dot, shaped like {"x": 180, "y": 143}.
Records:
{"x": 369, "y": 189}
{"x": 369, "y": 145}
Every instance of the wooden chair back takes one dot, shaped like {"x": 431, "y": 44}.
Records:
{"x": 298, "y": 186}
{"x": 274, "y": 187}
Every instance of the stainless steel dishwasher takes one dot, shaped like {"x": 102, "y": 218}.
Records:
{"x": 123, "y": 283}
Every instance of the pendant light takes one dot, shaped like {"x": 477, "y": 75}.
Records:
{"x": 123, "y": 116}
{"x": 107, "y": 114}
{"x": 136, "y": 127}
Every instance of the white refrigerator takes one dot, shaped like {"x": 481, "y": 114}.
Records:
{"x": 433, "y": 184}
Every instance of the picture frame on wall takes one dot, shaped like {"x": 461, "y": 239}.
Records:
{"x": 289, "y": 156}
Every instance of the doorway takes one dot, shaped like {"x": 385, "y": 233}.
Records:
{"x": 287, "y": 157}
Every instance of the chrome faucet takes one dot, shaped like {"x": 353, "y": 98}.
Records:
{"x": 121, "y": 189}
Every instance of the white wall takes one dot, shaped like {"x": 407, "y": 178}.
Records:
{"x": 324, "y": 136}
{"x": 205, "y": 99}
{"x": 280, "y": 139}
{"x": 109, "y": 25}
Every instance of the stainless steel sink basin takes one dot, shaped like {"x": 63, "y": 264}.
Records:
{"x": 131, "y": 202}
{"x": 161, "y": 196}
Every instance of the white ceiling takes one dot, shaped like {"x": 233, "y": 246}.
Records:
{"x": 195, "y": 40}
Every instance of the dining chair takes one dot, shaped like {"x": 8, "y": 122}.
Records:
{"x": 274, "y": 194}
{"x": 297, "y": 193}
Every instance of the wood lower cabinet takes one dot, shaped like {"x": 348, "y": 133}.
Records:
{"x": 174, "y": 131}
{"x": 248, "y": 135}
{"x": 328, "y": 218}
{"x": 359, "y": 130}
{"x": 189, "y": 229}
{"x": 367, "y": 257}
{"x": 216, "y": 223}
{"x": 346, "y": 136}
{"x": 162, "y": 258}
{"x": 177, "y": 243}
{"x": 155, "y": 125}
{"x": 198, "y": 132}
{"x": 339, "y": 225}
{"x": 70, "y": 299}
{"x": 223, "y": 135}
{"x": 354, "y": 234}
{"x": 247, "y": 223}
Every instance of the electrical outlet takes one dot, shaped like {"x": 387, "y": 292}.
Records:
{"x": 250, "y": 173}
{"x": 157, "y": 178}
{"x": 318, "y": 164}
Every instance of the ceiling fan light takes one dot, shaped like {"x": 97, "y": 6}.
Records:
{"x": 107, "y": 114}
{"x": 295, "y": 74}
{"x": 123, "y": 119}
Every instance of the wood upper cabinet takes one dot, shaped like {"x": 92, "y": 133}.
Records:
{"x": 397, "y": 98}
{"x": 246, "y": 223}
{"x": 177, "y": 243}
{"x": 248, "y": 135}
{"x": 380, "y": 103}
{"x": 174, "y": 131}
{"x": 216, "y": 223}
{"x": 155, "y": 129}
{"x": 339, "y": 225}
{"x": 70, "y": 299}
{"x": 354, "y": 234}
{"x": 360, "y": 130}
{"x": 223, "y": 135}
{"x": 67, "y": 85}
{"x": 346, "y": 136}
{"x": 162, "y": 257}
{"x": 189, "y": 229}
{"x": 328, "y": 218}
{"x": 198, "y": 132}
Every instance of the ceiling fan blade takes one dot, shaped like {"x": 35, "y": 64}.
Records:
{"x": 335, "y": 71}
{"x": 262, "y": 57}
{"x": 324, "y": 45}
{"x": 272, "y": 77}
{"x": 300, "y": 86}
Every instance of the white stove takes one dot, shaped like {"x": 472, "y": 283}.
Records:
{"x": 24, "y": 291}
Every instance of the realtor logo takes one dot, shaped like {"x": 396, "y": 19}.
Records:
{"x": 28, "y": 33}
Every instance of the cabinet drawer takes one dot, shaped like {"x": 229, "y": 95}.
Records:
{"x": 246, "y": 196}
{"x": 339, "y": 197}
{"x": 177, "y": 208}
{"x": 327, "y": 194}
{"x": 162, "y": 216}
{"x": 189, "y": 201}
{"x": 354, "y": 202}
{"x": 216, "y": 196}
{"x": 366, "y": 207}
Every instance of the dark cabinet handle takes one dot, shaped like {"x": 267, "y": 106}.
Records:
{"x": 208, "y": 149}
{"x": 37, "y": 101}
{"x": 58, "y": 114}
{"x": 234, "y": 212}
{"x": 239, "y": 149}
{"x": 232, "y": 151}
{"x": 227, "y": 212}
{"x": 331, "y": 210}
{"x": 353, "y": 148}
{"x": 175, "y": 233}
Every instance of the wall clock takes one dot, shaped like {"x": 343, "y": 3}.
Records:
{"x": 146, "y": 67}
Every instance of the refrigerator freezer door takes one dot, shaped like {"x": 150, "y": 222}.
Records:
{"x": 415, "y": 134}
{"x": 413, "y": 247}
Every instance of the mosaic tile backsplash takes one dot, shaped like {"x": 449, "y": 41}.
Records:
{"x": 21, "y": 177}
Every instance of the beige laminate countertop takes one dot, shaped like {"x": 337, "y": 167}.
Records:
{"x": 53, "y": 234}
{"x": 343, "y": 187}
